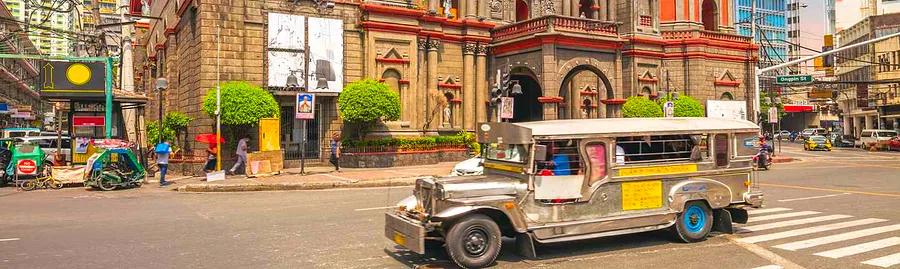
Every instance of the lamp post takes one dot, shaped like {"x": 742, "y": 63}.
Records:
{"x": 161, "y": 85}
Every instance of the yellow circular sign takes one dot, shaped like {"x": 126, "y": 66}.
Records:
{"x": 78, "y": 74}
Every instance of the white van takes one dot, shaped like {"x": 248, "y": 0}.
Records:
{"x": 872, "y": 136}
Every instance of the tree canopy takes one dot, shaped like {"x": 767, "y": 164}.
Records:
{"x": 367, "y": 100}
{"x": 242, "y": 103}
{"x": 641, "y": 107}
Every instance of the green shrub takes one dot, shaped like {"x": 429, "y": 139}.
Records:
{"x": 242, "y": 103}
{"x": 686, "y": 106}
{"x": 366, "y": 101}
{"x": 153, "y": 133}
{"x": 641, "y": 107}
{"x": 176, "y": 120}
{"x": 410, "y": 143}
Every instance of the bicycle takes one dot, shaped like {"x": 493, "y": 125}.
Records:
{"x": 41, "y": 182}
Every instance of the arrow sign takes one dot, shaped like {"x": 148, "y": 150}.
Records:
{"x": 48, "y": 76}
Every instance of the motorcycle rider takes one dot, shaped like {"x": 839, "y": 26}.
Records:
{"x": 762, "y": 158}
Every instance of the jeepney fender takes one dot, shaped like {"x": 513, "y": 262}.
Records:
{"x": 496, "y": 204}
{"x": 716, "y": 194}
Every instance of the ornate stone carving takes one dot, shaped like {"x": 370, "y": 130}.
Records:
{"x": 481, "y": 49}
{"x": 496, "y": 6}
{"x": 548, "y": 7}
{"x": 469, "y": 48}
{"x": 433, "y": 44}
{"x": 423, "y": 44}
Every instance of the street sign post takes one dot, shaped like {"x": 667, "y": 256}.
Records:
{"x": 793, "y": 79}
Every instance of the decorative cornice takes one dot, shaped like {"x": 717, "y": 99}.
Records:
{"x": 481, "y": 49}
{"x": 469, "y": 47}
{"x": 550, "y": 99}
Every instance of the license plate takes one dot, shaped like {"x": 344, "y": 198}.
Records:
{"x": 399, "y": 239}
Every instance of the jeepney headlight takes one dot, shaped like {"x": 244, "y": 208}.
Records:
{"x": 407, "y": 203}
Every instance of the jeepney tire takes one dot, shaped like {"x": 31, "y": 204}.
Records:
{"x": 474, "y": 241}
{"x": 694, "y": 222}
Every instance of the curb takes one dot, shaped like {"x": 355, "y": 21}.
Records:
{"x": 783, "y": 159}
{"x": 247, "y": 187}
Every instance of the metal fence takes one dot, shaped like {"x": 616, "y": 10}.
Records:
{"x": 404, "y": 148}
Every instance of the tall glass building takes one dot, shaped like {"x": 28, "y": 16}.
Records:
{"x": 771, "y": 28}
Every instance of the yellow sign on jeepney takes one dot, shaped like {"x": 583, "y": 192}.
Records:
{"x": 658, "y": 170}
{"x": 642, "y": 195}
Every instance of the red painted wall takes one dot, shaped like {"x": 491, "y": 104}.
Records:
{"x": 724, "y": 9}
{"x": 667, "y": 10}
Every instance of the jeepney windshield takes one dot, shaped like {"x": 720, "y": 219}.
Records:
{"x": 516, "y": 153}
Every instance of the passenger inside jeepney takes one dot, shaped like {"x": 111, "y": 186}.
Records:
{"x": 562, "y": 159}
{"x": 655, "y": 148}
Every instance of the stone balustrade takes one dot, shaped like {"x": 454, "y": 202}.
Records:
{"x": 555, "y": 24}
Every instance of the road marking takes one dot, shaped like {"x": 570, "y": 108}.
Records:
{"x": 886, "y": 261}
{"x": 374, "y": 208}
{"x": 760, "y": 227}
{"x": 813, "y": 197}
{"x": 767, "y": 210}
{"x": 783, "y": 216}
{"x": 769, "y": 267}
{"x": 765, "y": 254}
{"x": 837, "y": 238}
{"x": 857, "y": 249}
{"x": 831, "y": 190}
{"x": 9, "y": 239}
{"x": 808, "y": 230}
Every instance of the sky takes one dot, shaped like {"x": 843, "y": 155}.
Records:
{"x": 812, "y": 24}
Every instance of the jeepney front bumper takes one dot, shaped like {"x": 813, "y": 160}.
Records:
{"x": 406, "y": 232}
{"x": 754, "y": 198}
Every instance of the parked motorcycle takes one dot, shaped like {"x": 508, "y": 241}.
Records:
{"x": 794, "y": 136}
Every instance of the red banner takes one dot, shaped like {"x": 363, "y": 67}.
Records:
{"x": 88, "y": 121}
{"x": 799, "y": 108}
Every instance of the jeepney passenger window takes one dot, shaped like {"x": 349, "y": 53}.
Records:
{"x": 746, "y": 144}
{"x": 562, "y": 159}
{"x": 596, "y": 153}
{"x": 649, "y": 149}
{"x": 720, "y": 143}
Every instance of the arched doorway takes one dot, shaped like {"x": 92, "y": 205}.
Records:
{"x": 526, "y": 105}
{"x": 582, "y": 103}
{"x": 710, "y": 15}
{"x": 522, "y": 11}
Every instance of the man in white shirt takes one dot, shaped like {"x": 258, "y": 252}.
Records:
{"x": 241, "y": 152}
{"x": 162, "y": 151}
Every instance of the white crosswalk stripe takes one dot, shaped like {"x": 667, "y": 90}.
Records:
{"x": 767, "y": 210}
{"x": 808, "y": 230}
{"x": 781, "y": 224}
{"x": 783, "y": 216}
{"x": 838, "y": 237}
{"x": 860, "y": 248}
{"x": 886, "y": 261}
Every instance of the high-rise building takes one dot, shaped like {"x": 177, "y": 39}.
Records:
{"x": 45, "y": 24}
{"x": 771, "y": 28}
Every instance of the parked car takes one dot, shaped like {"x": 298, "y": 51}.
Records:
{"x": 49, "y": 146}
{"x": 869, "y": 137}
{"x": 843, "y": 141}
{"x": 471, "y": 167}
{"x": 817, "y": 142}
{"x": 806, "y": 133}
{"x": 783, "y": 135}
{"x": 894, "y": 143}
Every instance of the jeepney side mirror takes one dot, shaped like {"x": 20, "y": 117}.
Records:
{"x": 540, "y": 152}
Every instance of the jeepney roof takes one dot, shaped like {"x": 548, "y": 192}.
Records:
{"x": 636, "y": 125}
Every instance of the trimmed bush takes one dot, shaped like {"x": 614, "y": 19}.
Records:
{"x": 242, "y": 103}
{"x": 641, "y": 107}
{"x": 686, "y": 106}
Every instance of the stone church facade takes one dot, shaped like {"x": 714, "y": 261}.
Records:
{"x": 572, "y": 58}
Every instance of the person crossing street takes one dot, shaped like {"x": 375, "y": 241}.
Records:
{"x": 162, "y": 151}
{"x": 241, "y": 153}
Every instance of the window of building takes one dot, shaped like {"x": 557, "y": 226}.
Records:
{"x": 710, "y": 15}
{"x": 586, "y": 9}
{"x": 522, "y": 10}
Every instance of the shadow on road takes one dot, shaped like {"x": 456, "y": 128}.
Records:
{"x": 436, "y": 256}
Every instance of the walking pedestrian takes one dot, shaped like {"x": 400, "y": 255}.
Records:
{"x": 241, "y": 153}
{"x": 162, "y": 151}
{"x": 336, "y": 151}
{"x": 211, "y": 157}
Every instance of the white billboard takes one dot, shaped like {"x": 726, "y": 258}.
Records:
{"x": 285, "y": 49}
{"x": 726, "y": 109}
{"x": 326, "y": 55}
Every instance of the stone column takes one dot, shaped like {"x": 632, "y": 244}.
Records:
{"x": 573, "y": 8}
{"x": 468, "y": 97}
{"x": 567, "y": 8}
{"x": 432, "y": 84}
{"x": 869, "y": 122}
{"x": 481, "y": 88}
{"x": 611, "y": 8}
{"x": 421, "y": 89}
{"x": 471, "y": 8}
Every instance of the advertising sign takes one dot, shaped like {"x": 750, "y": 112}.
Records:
{"x": 669, "y": 109}
{"x": 61, "y": 79}
{"x": 726, "y": 109}
{"x": 4, "y": 108}
{"x": 306, "y": 106}
{"x": 79, "y": 121}
{"x": 773, "y": 115}
{"x": 326, "y": 55}
{"x": 286, "y": 44}
{"x": 506, "y": 107}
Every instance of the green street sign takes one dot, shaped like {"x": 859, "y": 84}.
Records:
{"x": 793, "y": 79}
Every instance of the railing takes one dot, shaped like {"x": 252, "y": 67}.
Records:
{"x": 689, "y": 34}
{"x": 404, "y": 148}
{"x": 554, "y": 23}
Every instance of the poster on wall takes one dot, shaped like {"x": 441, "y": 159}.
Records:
{"x": 81, "y": 144}
{"x": 285, "y": 50}
{"x": 736, "y": 110}
{"x": 326, "y": 55}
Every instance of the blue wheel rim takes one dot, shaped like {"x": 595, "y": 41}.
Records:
{"x": 694, "y": 219}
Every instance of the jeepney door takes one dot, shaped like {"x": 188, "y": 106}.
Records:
{"x": 559, "y": 171}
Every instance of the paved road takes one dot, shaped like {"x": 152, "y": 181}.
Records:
{"x": 845, "y": 199}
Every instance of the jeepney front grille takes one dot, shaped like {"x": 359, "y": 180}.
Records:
{"x": 424, "y": 196}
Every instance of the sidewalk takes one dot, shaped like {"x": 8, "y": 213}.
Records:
{"x": 314, "y": 179}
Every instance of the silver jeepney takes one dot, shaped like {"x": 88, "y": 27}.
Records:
{"x": 564, "y": 180}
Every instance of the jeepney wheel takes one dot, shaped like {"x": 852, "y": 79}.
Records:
{"x": 474, "y": 241}
{"x": 105, "y": 185}
{"x": 694, "y": 222}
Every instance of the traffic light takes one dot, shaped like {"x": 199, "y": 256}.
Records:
{"x": 496, "y": 93}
